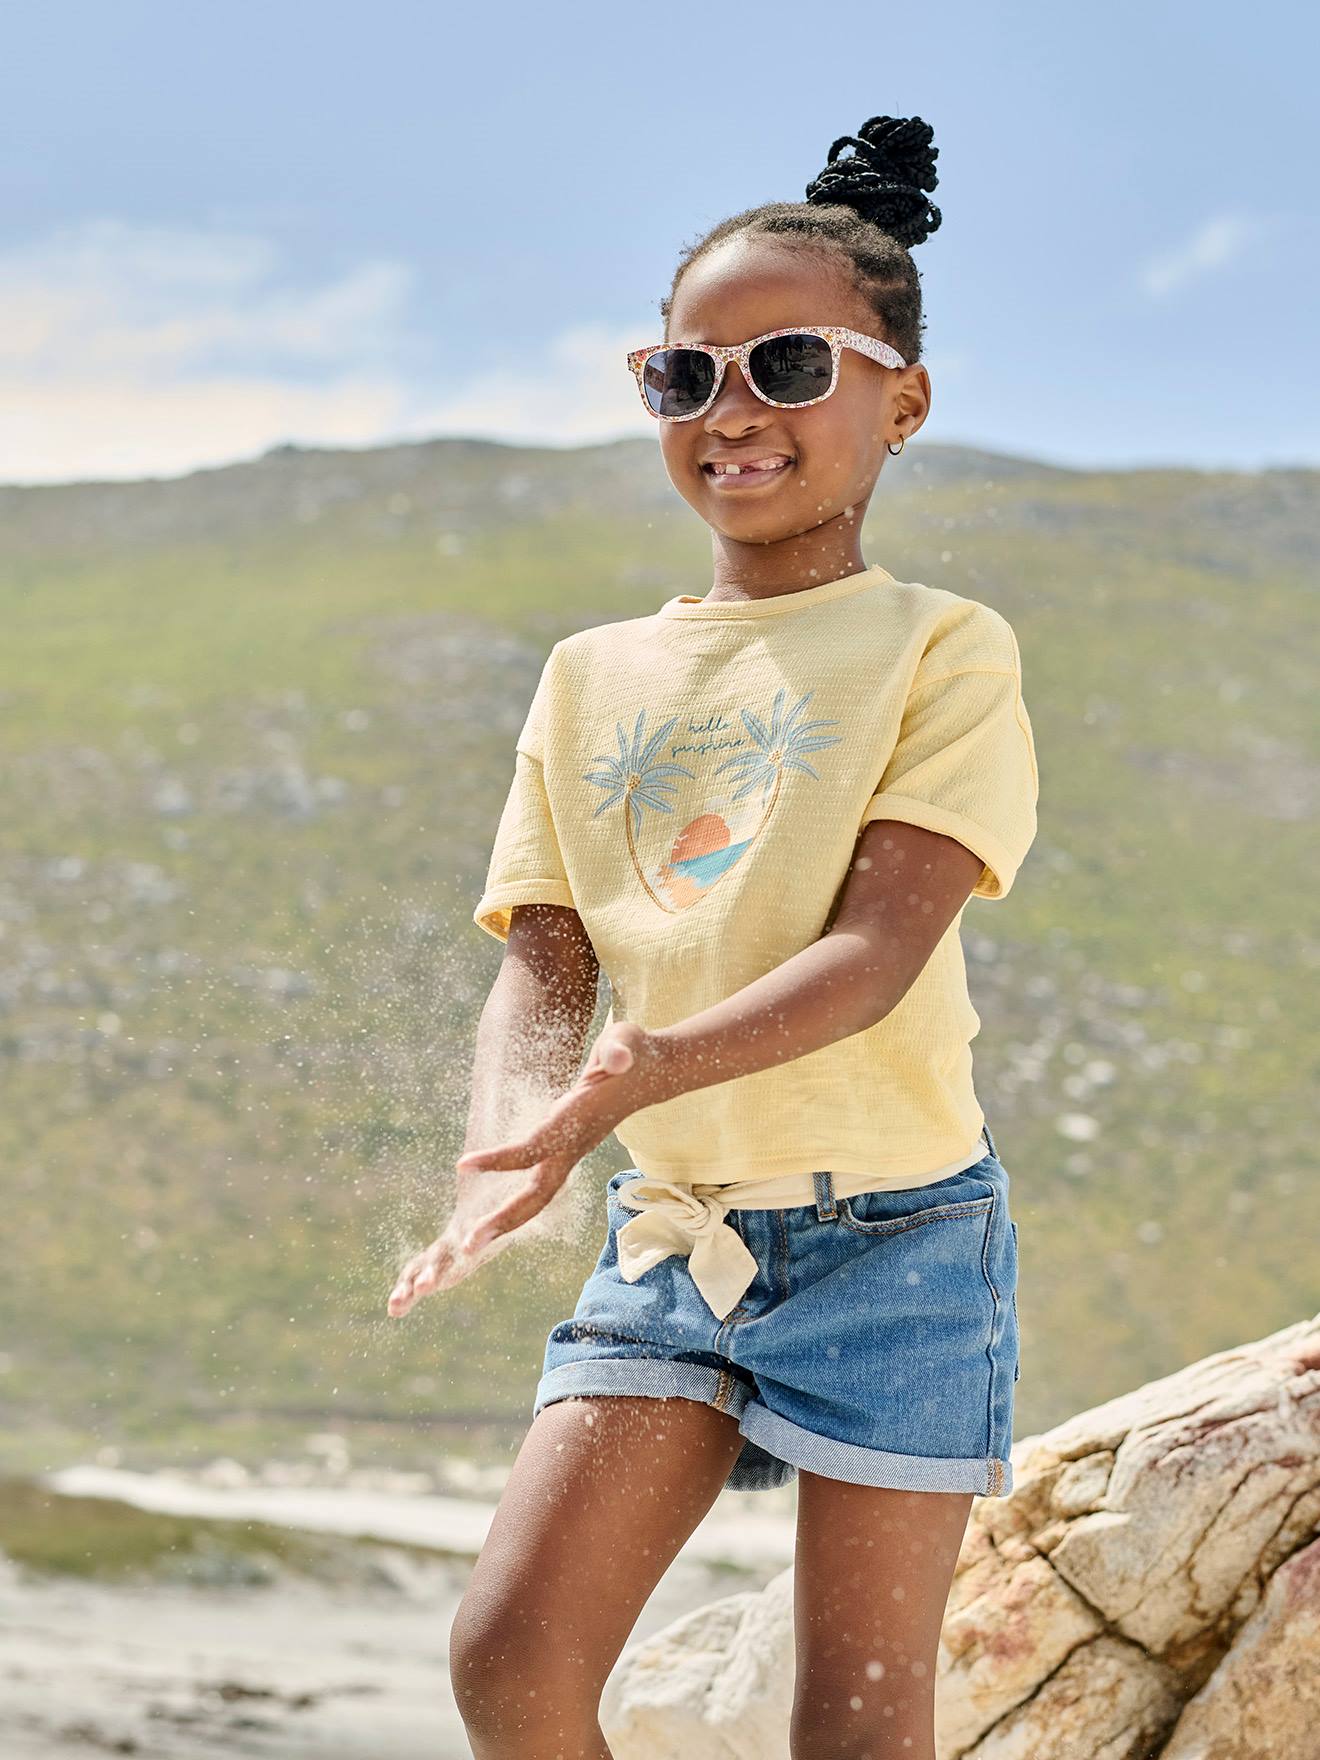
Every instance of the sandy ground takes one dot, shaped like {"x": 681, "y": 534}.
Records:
{"x": 291, "y": 1669}
{"x": 747, "y": 1528}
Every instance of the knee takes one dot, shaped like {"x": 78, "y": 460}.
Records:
{"x": 509, "y": 1681}
{"x": 488, "y": 1661}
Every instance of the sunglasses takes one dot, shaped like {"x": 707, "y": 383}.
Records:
{"x": 786, "y": 368}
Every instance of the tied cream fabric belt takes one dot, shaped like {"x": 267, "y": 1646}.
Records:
{"x": 689, "y": 1219}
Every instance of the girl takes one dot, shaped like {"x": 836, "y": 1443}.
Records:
{"x": 761, "y": 813}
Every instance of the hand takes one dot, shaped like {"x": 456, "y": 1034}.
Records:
{"x": 447, "y": 1261}
{"x": 617, "y": 1079}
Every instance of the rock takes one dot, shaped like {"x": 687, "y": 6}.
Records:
{"x": 1264, "y": 1698}
{"x": 715, "y": 1682}
{"x": 1151, "y": 1587}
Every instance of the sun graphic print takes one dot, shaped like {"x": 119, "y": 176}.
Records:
{"x": 728, "y": 819}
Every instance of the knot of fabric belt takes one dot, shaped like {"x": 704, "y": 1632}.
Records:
{"x": 677, "y": 1219}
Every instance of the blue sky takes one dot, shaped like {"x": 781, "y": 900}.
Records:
{"x": 222, "y": 227}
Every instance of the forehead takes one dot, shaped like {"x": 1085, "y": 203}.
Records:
{"x": 745, "y": 287}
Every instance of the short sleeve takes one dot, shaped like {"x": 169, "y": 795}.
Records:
{"x": 532, "y": 737}
{"x": 965, "y": 760}
{"x": 526, "y": 865}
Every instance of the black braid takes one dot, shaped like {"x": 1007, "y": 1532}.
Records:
{"x": 893, "y": 162}
{"x": 869, "y": 209}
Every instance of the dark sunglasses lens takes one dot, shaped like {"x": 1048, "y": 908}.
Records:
{"x": 792, "y": 369}
{"x": 678, "y": 381}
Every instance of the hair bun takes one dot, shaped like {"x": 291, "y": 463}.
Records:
{"x": 892, "y": 164}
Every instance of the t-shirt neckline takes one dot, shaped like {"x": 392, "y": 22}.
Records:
{"x": 688, "y": 605}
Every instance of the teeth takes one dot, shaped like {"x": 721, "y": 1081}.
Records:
{"x": 736, "y": 470}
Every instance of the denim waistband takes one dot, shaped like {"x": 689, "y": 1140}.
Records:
{"x": 825, "y": 1200}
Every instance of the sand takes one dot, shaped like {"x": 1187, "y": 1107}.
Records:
{"x": 294, "y": 1667}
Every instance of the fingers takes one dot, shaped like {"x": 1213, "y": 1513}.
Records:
{"x": 443, "y": 1265}
{"x": 450, "y": 1259}
{"x": 421, "y": 1276}
{"x": 521, "y": 1208}
{"x": 554, "y": 1135}
{"x": 505, "y": 1158}
{"x": 617, "y": 1057}
{"x": 404, "y": 1293}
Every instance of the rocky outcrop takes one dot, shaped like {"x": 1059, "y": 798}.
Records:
{"x": 1150, "y": 1588}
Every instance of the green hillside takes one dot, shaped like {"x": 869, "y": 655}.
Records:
{"x": 256, "y": 728}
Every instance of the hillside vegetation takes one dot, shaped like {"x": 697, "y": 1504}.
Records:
{"x": 256, "y": 728}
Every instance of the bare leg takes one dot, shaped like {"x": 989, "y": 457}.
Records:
{"x": 872, "y": 1577}
{"x": 602, "y": 1496}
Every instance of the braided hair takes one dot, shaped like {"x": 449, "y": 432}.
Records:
{"x": 868, "y": 208}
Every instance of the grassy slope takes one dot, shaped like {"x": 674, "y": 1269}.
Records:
{"x": 99, "y": 1540}
{"x": 256, "y": 728}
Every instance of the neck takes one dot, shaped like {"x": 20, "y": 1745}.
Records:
{"x": 827, "y": 552}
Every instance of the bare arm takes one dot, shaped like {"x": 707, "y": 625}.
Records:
{"x": 532, "y": 1032}
{"x": 529, "y": 1046}
{"x": 904, "y": 888}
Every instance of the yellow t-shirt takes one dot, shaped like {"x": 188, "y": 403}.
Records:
{"x": 693, "y": 783}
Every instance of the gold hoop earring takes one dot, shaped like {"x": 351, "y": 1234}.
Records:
{"x": 902, "y": 442}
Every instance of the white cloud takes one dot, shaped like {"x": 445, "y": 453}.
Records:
{"x": 102, "y": 427}
{"x": 1216, "y": 243}
{"x": 129, "y": 351}
{"x": 575, "y": 390}
{"x": 108, "y": 296}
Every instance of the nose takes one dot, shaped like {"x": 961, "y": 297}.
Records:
{"x": 734, "y": 401}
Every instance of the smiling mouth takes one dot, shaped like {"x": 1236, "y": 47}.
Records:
{"x": 746, "y": 476}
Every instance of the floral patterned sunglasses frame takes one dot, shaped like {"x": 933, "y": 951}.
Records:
{"x": 838, "y": 339}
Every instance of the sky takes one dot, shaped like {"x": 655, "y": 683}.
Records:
{"x": 227, "y": 227}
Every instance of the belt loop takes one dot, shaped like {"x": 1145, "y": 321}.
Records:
{"x": 826, "y": 1208}
{"x": 985, "y": 1131}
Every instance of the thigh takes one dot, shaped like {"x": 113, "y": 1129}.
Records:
{"x": 602, "y": 1496}
{"x": 872, "y": 1577}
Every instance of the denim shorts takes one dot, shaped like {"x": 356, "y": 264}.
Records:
{"x": 877, "y": 1342}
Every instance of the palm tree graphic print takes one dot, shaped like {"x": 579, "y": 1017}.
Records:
{"x": 718, "y": 836}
